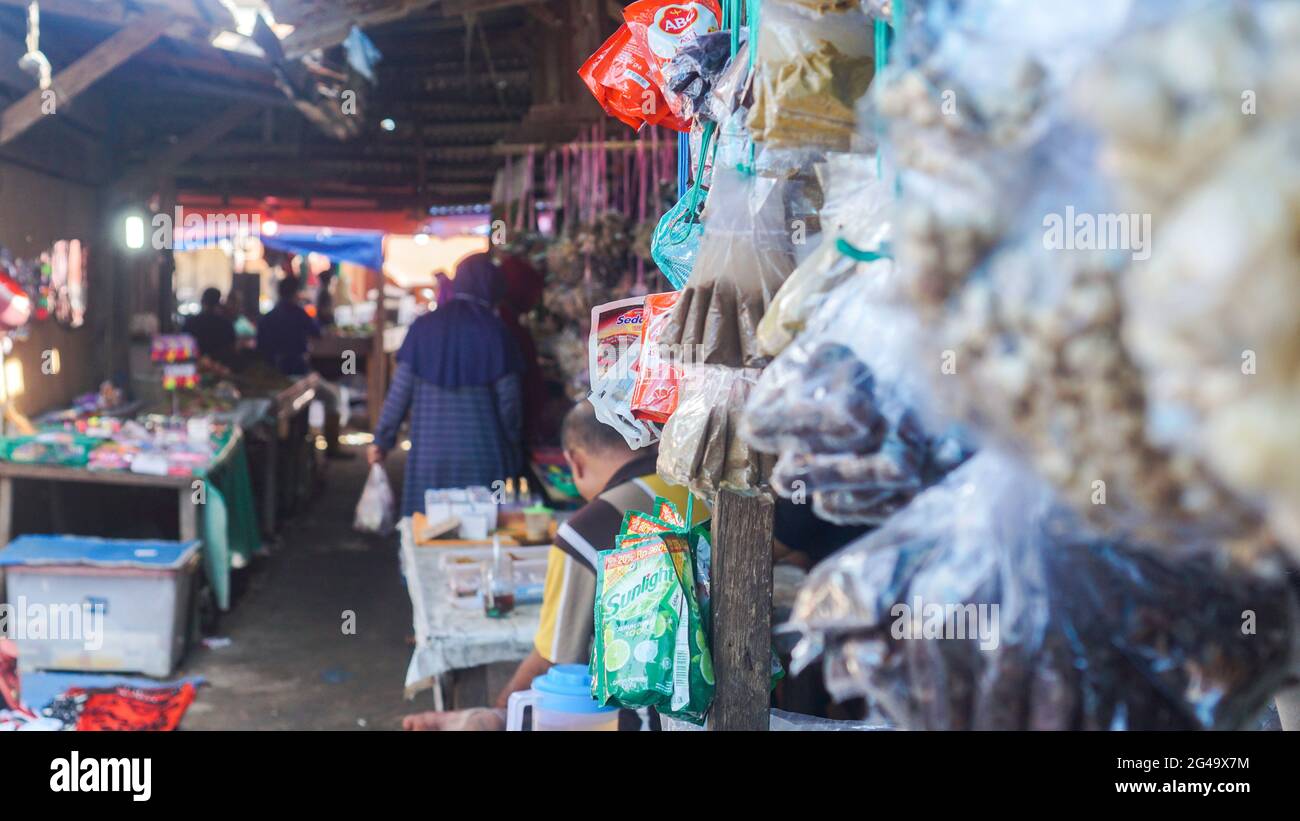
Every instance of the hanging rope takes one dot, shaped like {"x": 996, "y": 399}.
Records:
{"x": 34, "y": 62}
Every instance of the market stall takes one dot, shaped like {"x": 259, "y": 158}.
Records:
{"x": 912, "y": 289}
{"x": 208, "y": 474}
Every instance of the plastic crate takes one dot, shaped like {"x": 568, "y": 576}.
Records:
{"x": 143, "y": 589}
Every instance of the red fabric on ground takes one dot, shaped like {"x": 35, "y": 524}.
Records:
{"x": 128, "y": 708}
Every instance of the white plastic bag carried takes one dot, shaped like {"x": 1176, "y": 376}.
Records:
{"x": 376, "y": 510}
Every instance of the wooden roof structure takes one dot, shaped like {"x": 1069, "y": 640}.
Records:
{"x": 464, "y": 83}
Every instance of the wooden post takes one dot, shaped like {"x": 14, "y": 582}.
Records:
{"x": 6, "y": 511}
{"x": 742, "y": 611}
{"x": 189, "y": 514}
{"x": 376, "y": 361}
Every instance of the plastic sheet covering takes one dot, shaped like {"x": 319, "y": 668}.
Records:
{"x": 1040, "y": 625}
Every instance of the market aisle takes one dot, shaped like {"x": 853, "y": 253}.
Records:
{"x": 290, "y": 666}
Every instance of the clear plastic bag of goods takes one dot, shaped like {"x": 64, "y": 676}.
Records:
{"x": 786, "y": 721}
{"x": 1021, "y": 259}
{"x": 812, "y": 66}
{"x": 376, "y": 509}
{"x": 845, "y": 407}
{"x": 745, "y": 255}
{"x": 701, "y": 447}
{"x": 986, "y": 604}
{"x": 857, "y": 210}
{"x": 696, "y": 67}
{"x": 1187, "y": 140}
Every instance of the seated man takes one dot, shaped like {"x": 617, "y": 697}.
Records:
{"x": 613, "y": 479}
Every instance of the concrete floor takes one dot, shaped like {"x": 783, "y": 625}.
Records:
{"x": 290, "y": 666}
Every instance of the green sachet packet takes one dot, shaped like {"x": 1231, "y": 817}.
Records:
{"x": 693, "y": 683}
{"x": 640, "y": 610}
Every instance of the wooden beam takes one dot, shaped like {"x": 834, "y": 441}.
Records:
{"x": 188, "y": 21}
{"x": 452, "y": 8}
{"x": 79, "y": 76}
{"x": 742, "y": 611}
{"x": 189, "y": 145}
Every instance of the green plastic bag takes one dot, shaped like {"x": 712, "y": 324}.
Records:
{"x": 677, "y": 235}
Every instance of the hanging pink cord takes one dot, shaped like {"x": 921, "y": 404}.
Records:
{"x": 505, "y": 190}
{"x": 570, "y": 195}
{"x": 531, "y": 221}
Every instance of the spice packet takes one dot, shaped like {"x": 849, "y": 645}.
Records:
{"x": 657, "y": 384}
{"x": 613, "y": 347}
{"x": 618, "y": 76}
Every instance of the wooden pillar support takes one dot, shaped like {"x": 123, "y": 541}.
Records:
{"x": 742, "y": 611}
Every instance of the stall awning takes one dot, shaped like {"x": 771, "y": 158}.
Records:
{"x": 365, "y": 248}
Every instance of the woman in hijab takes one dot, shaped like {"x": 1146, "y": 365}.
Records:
{"x": 458, "y": 374}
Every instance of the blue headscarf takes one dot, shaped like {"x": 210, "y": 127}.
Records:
{"x": 463, "y": 342}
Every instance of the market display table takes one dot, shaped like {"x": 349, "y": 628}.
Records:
{"x": 227, "y": 527}
{"x": 451, "y": 640}
{"x": 277, "y": 422}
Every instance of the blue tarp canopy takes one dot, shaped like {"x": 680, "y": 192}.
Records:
{"x": 365, "y": 248}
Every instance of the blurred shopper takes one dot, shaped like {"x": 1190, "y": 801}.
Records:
{"x": 283, "y": 334}
{"x": 443, "y": 292}
{"x": 522, "y": 291}
{"x": 458, "y": 375}
{"x": 212, "y": 329}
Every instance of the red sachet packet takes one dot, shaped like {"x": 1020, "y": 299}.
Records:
{"x": 655, "y": 391}
{"x": 618, "y": 76}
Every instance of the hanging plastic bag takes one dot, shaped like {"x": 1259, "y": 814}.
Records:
{"x": 810, "y": 71}
{"x": 614, "y": 347}
{"x": 701, "y": 446}
{"x": 618, "y": 76}
{"x": 745, "y": 255}
{"x": 376, "y": 510}
{"x": 988, "y": 605}
{"x": 693, "y": 71}
{"x": 846, "y": 412}
{"x": 650, "y": 647}
{"x": 661, "y": 28}
{"x": 857, "y": 210}
{"x": 676, "y": 238}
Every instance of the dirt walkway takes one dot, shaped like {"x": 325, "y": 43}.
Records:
{"x": 290, "y": 664}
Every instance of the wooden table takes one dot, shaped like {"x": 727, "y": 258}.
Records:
{"x": 286, "y": 406}
{"x": 187, "y": 510}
